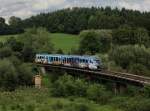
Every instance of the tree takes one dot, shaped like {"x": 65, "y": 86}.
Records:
{"x": 35, "y": 41}
{"x": 126, "y": 35}
{"x": 25, "y": 75}
{"x": 14, "y": 44}
{"x": 94, "y": 41}
{"x": 2, "y": 21}
{"x": 60, "y": 51}
{"x": 97, "y": 93}
{"x": 8, "y": 78}
{"x": 38, "y": 39}
{"x": 134, "y": 58}
{"x": 15, "y": 21}
{"x": 5, "y": 52}
{"x": 89, "y": 42}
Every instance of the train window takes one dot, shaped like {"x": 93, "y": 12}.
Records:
{"x": 67, "y": 59}
{"x": 56, "y": 58}
{"x": 80, "y": 60}
{"x": 91, "y": 61}
{"x": 86, "y": 61}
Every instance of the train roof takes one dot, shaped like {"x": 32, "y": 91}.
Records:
{"x": 57, "y": 55}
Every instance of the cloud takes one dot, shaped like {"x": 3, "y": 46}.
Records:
{"x": 27, "y": 8}
{"x": 142, "y": 5}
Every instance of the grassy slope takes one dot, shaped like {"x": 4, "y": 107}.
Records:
{"x": 3, "y": 38}
{"x": 60, "y": 41}
{"x": 65, "y": 41}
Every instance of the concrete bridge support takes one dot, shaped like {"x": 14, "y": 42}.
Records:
{"x": 119, "y": 88}
{"x": 42, "y": 70}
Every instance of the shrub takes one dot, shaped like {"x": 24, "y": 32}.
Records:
{"x": 138, "y": 104}
{"x": 67, "y": 86}
{"x": 138, "y": 69}
{"x": 98, "y": 93}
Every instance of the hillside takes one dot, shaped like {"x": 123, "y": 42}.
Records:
{"x": 60, "y": 40}
{"x": 65, "y": 41}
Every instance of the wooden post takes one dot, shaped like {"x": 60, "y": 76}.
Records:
{"x": 38, "y": 81}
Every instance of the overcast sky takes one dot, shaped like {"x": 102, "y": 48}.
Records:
{"x": 27, "y": 8}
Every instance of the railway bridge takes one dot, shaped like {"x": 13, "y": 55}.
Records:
{"x": 119, "y": 80}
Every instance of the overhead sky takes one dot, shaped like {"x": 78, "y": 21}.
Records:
{"x": 27, "y": 8}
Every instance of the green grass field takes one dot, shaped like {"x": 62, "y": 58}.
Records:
{"x": 61, "y": 41}
{"x": 3, "y": 38}
{"x": 65, "y": 41}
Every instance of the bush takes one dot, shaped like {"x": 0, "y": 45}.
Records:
{"x": 67, "y": 86}
{"x": 5, "y": 52}
{"x": 8, "y": 75}
{"x": 98, "y": 93}
{"x": 78, "y": 106}
{"x": 138, "y": 69}
{"x": 138, "y": 104}
{"x": 14, "y": 74}
{"x": 94, "y": 41}
{"x": 146, "y": 91}
{"x": 131, "y": 58}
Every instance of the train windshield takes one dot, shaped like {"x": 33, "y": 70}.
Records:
{"x": 97, "y": 61}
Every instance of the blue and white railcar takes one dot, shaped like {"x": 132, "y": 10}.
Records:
{"x": 89, "y": 62}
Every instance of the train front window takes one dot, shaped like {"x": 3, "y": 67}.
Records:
{"x": 97, "y": 61}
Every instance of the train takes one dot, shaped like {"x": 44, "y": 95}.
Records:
{"x": 84, "y": 62}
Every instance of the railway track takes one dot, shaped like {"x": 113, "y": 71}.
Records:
{"x": 132, "y": 77}
{"x": 119, "y": 75}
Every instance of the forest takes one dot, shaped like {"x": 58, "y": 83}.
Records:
{"x": 74, "y": 20}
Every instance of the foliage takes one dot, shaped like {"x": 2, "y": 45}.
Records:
{"x": 126, "y": 35}
{"x": 17, "y": 75}
{"x": 137, "y": 104}
{"x": 98, "y": 93}
{"x": 134, "y": 58}
{"x": 8, "y": 78}
{"x": 66, "y": 42}
{"x": 74, "y": 20}
{"x": 6, "y": 29}
{"x": 146, "y": 91}
{"x": 30, "y": 99}
{"x": 67, "y": 86}
{"x": 5, "y": 52}
{"x": 94, "y": 41}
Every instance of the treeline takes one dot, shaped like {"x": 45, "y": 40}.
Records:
{"x": 14, "y": 27}
{"x": 77, "y": 19}
{"x": 74, "y": 20}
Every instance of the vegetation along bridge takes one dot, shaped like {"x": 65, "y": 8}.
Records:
{"x": 120, "y": 79}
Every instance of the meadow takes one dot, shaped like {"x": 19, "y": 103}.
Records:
{"x": 62, "y": 41}
{"x": 65, "y": 41}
